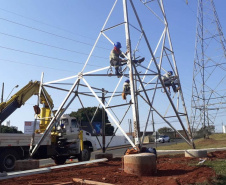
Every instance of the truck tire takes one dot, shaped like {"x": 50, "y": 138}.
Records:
{"x": 85, "y": 154}
{"x": 60, "y": 160}
{"x": 7, "y": 160}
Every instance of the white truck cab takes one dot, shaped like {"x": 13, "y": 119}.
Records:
{"x": 69, "y": 127}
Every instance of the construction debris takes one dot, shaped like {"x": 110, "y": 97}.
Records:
{"x": 90, "y": 182}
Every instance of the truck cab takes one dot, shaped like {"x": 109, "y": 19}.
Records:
{"x": 69, "y": 128}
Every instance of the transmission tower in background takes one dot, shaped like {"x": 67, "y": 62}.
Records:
{"x": 209, "y": 73}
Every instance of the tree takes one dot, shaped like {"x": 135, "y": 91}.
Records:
{"x": 109, "y": 130}
{"x": 165, "y": 130}
{"x": 6, "y": 129}
{"x": 80, "y": 115}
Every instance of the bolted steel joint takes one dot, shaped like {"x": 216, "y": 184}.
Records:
{"x": 80, "y": 75}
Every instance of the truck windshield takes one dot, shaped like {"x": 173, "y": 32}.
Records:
{"x": 64, "y": 121}
{"x": 74, "y": 123}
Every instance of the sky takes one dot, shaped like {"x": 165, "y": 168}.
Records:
{"x": 55, "y": 38}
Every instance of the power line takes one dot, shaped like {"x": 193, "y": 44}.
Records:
{"x": 35, "y": 65}
{"x": 50, "y": 45}
{"x": 70, "y": 61}
{"x": 38, "y": 21}
{"x": 53, "y": 34}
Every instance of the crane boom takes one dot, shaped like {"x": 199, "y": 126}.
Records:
{"x": 19, "y": 99}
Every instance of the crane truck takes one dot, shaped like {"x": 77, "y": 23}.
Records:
{"x": 65, "y": 141}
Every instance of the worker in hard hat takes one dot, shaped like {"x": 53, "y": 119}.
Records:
{"x": 115, "y": 59}
{"x": 169, "y": 80}
{"x": 126, "y": 89}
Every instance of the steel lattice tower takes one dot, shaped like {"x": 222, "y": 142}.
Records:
{"x": 208, "y": 89}
{"x": 149, "y": 98}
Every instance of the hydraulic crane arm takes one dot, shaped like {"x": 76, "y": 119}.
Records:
{"x": 19, "y": 99}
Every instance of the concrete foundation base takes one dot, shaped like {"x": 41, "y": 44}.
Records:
{"x": 104, "y": 155}
{"x": 140, "y": 164}
{"x": 22, "y": 165}
{"x": 195, "y": 153}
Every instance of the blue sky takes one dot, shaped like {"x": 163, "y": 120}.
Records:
{"x": 55, "y": 37}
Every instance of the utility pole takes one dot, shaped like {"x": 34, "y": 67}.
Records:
{"x": 103, "y": 120}
{"x": 130, "y": 127}
{"x": 1, "y": 102}
{"x": 2, "y": 92}
{"x": 153, "y": 127}
{"x": 222, "y": 128}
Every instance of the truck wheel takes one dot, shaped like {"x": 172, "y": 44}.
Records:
{"x": 7, "y": 160}
{"x": 60, "y": 160}
{"x": 85, "y": 154}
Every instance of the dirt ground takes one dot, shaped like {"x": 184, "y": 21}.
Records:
{"x": 170, "y": 170}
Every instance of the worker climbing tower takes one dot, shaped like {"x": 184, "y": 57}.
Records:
{"x": 143, "y": 30}
{"x": 208, "y": 89}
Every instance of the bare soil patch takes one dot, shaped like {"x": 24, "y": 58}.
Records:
{"x": 171, "y": 170}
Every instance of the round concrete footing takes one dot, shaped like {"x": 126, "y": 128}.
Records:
{"x": 104, "y": 155}
{"x": 195, "y": 153}
{"x": 140, "y": 164}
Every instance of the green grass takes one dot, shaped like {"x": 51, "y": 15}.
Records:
{"x": 218, "y": 136}
{"x": 219, "y": 167}
{"x": 215, "y": 141}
